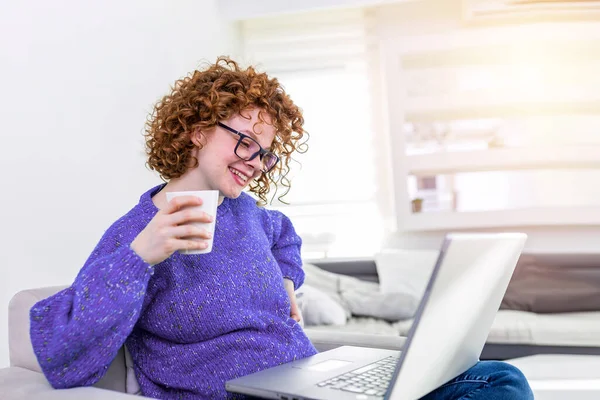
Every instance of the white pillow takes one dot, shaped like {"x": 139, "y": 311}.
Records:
{"x": 405, "y": 271}
{"x": 389, "y": 306}
{"x": 359, "y": 297}
{"x": 327, "y": 282}
{"x": 318, "y": 308}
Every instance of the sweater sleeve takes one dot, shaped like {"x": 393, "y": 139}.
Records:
{"x": 286, "y": 248}
{"x": 77, "y": 332}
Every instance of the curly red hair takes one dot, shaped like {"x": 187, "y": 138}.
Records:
{"x": 222, "y": 90}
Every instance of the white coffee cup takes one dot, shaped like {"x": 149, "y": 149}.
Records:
{"x": 210, "y": 198}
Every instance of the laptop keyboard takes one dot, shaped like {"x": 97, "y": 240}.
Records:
{"x": 373, "y": 379}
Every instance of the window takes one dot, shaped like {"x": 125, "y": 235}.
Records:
{"x": 320, "y": 59}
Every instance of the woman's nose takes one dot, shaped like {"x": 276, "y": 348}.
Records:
{"x": 256, "y": 164}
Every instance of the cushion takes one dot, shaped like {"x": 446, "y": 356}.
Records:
{"x": 544, "y": 288}
{"x": 318, "y": 308}
{"x": 21, "y": 350}
{"x": 361, "y": 298}
{"x": 510, "y": 327}
{"x": 386, "y": 306}
{"x": 327, "y": 282}
{"x": 19, "y": 343}
{"x": 561, "y": 329}
{"x": 405, "y": 271}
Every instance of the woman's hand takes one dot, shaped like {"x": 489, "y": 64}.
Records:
{"x": 295, "y": 311}
{"x": 172, "y": 229}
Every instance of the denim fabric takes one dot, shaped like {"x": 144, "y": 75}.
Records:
{"x": 487, "y": 380}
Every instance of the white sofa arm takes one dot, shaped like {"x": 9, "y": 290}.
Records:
{"x": 325, "y": 340}
{"x": 22, "y": 384}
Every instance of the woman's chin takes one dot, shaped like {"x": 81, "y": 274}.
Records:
{"x": 233, "y": 193}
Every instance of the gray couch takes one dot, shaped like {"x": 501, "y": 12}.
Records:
{"x": 366, "y": 269}
{"x": 24, "y": 379}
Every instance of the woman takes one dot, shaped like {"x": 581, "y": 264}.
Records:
{"x": 192, "y": 322}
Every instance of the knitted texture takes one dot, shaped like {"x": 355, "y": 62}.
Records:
{"x": 191, "y": 322}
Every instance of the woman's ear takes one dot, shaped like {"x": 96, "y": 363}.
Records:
{"x": 198, "y": 138}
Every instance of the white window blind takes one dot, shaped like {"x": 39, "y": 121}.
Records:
{"x": 321, "y": 60}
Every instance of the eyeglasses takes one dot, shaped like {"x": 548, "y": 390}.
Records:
{"x": 247, "y": 149}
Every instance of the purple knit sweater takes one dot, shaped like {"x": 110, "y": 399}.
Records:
{"x": 191, "y": 322}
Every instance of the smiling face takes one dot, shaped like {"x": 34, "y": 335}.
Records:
{"x": 219, "y": 168}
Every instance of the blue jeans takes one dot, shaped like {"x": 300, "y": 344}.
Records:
{"x": 487, "y": 380}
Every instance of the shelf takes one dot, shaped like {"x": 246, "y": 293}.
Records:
{"x": 504, "y": 159}
{"x": 525, "y": 70}
{"x": 551, "y": 216}
{"x": 565, "y": 52}
{"x": 489, "y": 103}
{"x": 524, "y": 35}
{"x": 492, "y": 10}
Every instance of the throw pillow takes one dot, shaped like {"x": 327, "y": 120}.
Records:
{"x": 405, "y": 271}
{"x": 318, "y": 308}
{"x": 361, "y": 298}
{"x": 327, "y": 282}
{"x": 540, "y": 288}
{"x": 388, "y": 306}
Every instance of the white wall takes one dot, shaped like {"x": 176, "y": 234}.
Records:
{"x": 77, "y": 80}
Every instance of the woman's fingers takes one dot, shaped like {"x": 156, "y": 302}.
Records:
{"x": 187, "y": 215}
{"x": 184, "y": 209}
{"x": 188, "y": 244}
{"x": 172, "y": 229}
{"x": 180, "y": 202}
{"x": 188, "y": 232}
{"x": 295, "y": 313}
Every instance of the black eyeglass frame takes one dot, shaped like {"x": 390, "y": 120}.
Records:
{"x": 261, "y": 152}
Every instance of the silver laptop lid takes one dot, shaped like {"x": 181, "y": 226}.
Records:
{"x": 456, "y": 312}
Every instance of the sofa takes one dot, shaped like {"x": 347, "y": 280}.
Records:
{"x": 515, "y": 333}
{"x": 24, "y": 379}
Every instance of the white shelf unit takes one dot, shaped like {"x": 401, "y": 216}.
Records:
{"x": 482, "y": 11}
{"x": 502, "y": 49}
{"x": 487, "y": 46}
{"x": 551, "y": 216}
{"x": 484, "y": 104}
{"x": 485, "y": 39}
{"x": 500, "y": 159}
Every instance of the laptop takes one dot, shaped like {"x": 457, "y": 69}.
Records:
{"x": 446, "y": 338}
